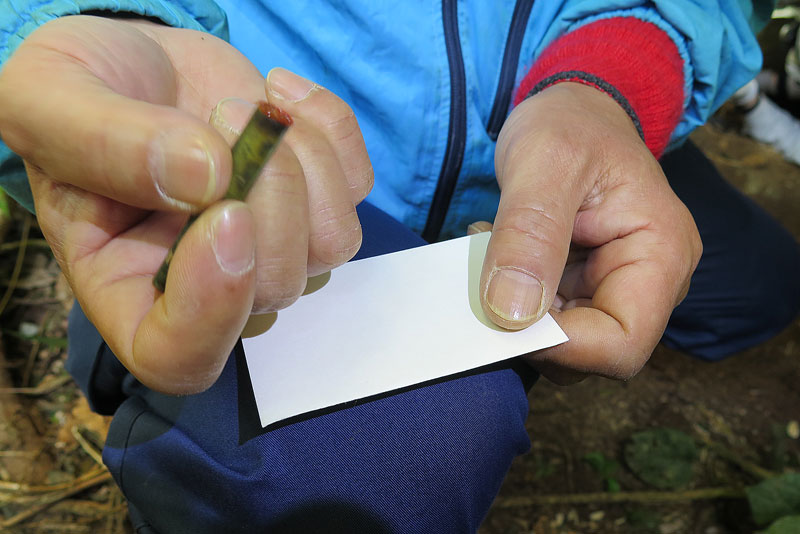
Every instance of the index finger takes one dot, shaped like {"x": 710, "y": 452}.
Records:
{"x": 137, "y": 149}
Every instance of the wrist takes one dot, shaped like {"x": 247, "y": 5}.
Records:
{"x": 632, "y": 61}
{"x": 571, "y": 128}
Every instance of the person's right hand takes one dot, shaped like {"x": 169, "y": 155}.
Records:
{"x": 111, "y": 118}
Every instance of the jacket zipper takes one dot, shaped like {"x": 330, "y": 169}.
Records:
{"x": 457, "y": 130}
{"x": 508, "y": 71}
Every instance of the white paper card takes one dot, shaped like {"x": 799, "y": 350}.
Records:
{"x": 382, "y": 324}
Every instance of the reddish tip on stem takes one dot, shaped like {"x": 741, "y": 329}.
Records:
{"x": 275, "y": 113}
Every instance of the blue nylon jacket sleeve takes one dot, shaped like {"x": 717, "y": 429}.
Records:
{"x": 715, "y": 38}
{"x": 19, "y": 18}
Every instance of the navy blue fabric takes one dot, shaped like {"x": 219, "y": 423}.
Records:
{"x": 99, "y": 373}
{"x": 746, "y": 287}
{"x": 426, "y": 460}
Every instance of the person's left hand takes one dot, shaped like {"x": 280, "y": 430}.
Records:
{"x": 587, "y": 228}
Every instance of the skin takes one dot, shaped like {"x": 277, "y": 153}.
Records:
{"x": 111, "y": 117}
{"x": 587, "y": 211}
{"x": 92, "y": 149}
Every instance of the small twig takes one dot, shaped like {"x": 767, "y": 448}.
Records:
{"x": 21, "y": 487}
{"x": 59, "y": 528}
{"x": 22, "y": 500}
{"x": 87, "y": 447}
{"x": 31, "y": 282}
{"x": 16, "y": 364}
{"x": 622, "y": 496}
{"x": 45, "y": 301}
{"x": 26, "y": 228}
{"x": 570, "y": 467}
{"x": 13, "y": 245}
{"x": 53, "y": 342}
{"x": 46, "y": 386}
{"x": 748, "y": 161}
{"x": 727, "y": 454}
{"x": 27, "y": 370}
{"x": 35, "y": 346}
{"x": 89, "y": 508}
{"x": 114, "y": 521}
{"x": 5, "y": 214}
{"x": 19, "y": 454}
{"x": 52, "y": 498}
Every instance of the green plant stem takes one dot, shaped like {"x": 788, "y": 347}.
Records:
{"x": 727, "y": 454}
{"x": 26, "y": 228}
{"x": 5, "y": 214}
{"x": 45, "y": 387}
{"x": 622, "y": 496}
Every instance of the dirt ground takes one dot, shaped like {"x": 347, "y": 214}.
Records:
{"x": 741, "y": 412}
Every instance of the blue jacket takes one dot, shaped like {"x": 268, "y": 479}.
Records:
{"x": 430, "y": 82}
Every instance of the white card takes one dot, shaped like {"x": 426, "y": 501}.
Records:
{"x": 378, "y": 325}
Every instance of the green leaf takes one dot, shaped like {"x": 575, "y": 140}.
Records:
{"x": 662, "y": 457}
{"x": 605, "y": 467}
{"x": 784, "y": 525}
{"x": 775, "y": 498}
{"x": 5, "y": 209}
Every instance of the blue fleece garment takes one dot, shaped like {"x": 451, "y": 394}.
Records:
{"x": 389, "y": 61}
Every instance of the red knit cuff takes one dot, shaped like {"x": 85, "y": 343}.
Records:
{"x": 633, "y": 61}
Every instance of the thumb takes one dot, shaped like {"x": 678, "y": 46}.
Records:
{"x": 530, "y": 239}
{"x": 524, "y": 261}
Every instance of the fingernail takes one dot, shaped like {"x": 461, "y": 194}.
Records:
{"x": 233, "y": 239}
{"x": 183, "y": 169}
{"x": 287, "y": 85}
{"x": 514, "y": 295}
{"x": 230, "y": 116}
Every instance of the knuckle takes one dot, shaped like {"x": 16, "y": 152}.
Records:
{"x": 337, "y": 237}
{"x": 559, "y": 148}
{"x": 286, "y": 183}
{"x": 685, "y": 255}
{"x": 308, "y": 151}
{"x": 279, "y": 282}
{"x": 628, "y": 362}
{"x": 532, "y": 228}
{"x": 697, "y": 249}
{"x": 362, "y": 182}
{"x": 628, "y": 368}
{"x": 343, "y": 126}
{"x": 283, "y": 180}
